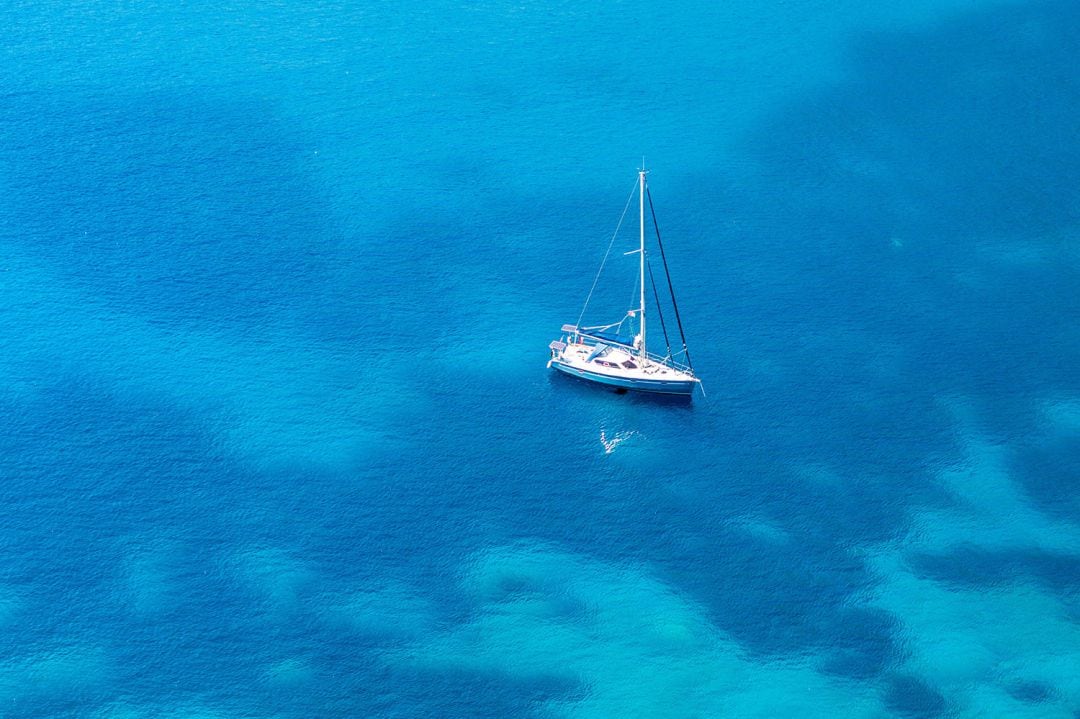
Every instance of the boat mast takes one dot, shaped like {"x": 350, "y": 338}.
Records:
{"x": 641, "y": 258}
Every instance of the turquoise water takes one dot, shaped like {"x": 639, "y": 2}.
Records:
{"x": 278, "y": 284}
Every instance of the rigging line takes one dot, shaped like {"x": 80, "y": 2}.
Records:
{"x": 659, "y": 309}
{"x": 604, "y": 261}
{"x": 671, "y": 289}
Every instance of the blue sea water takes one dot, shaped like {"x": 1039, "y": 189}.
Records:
{"x": 278, "y": 281}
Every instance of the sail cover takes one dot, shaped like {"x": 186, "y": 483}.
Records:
{"x": 610, "y": 338}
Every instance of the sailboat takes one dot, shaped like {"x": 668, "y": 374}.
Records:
{"x": 607, "y": 354}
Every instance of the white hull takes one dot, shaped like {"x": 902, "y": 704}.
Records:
{"x": 620, "y": 368}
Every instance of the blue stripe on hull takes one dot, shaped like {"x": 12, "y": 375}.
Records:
{"x": 657, "y": 386}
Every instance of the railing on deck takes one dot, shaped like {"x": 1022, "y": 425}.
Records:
{"x": 659, "y": 359}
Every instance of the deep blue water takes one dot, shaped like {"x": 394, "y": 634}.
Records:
{"x": 278, "y": 283}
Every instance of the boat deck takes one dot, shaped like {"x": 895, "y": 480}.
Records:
{"x": 617, "y": 362}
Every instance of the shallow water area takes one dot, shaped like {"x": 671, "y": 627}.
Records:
{"x": 278, "y": 288}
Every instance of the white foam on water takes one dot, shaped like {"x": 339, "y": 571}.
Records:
{"x": 610, "y": 443}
